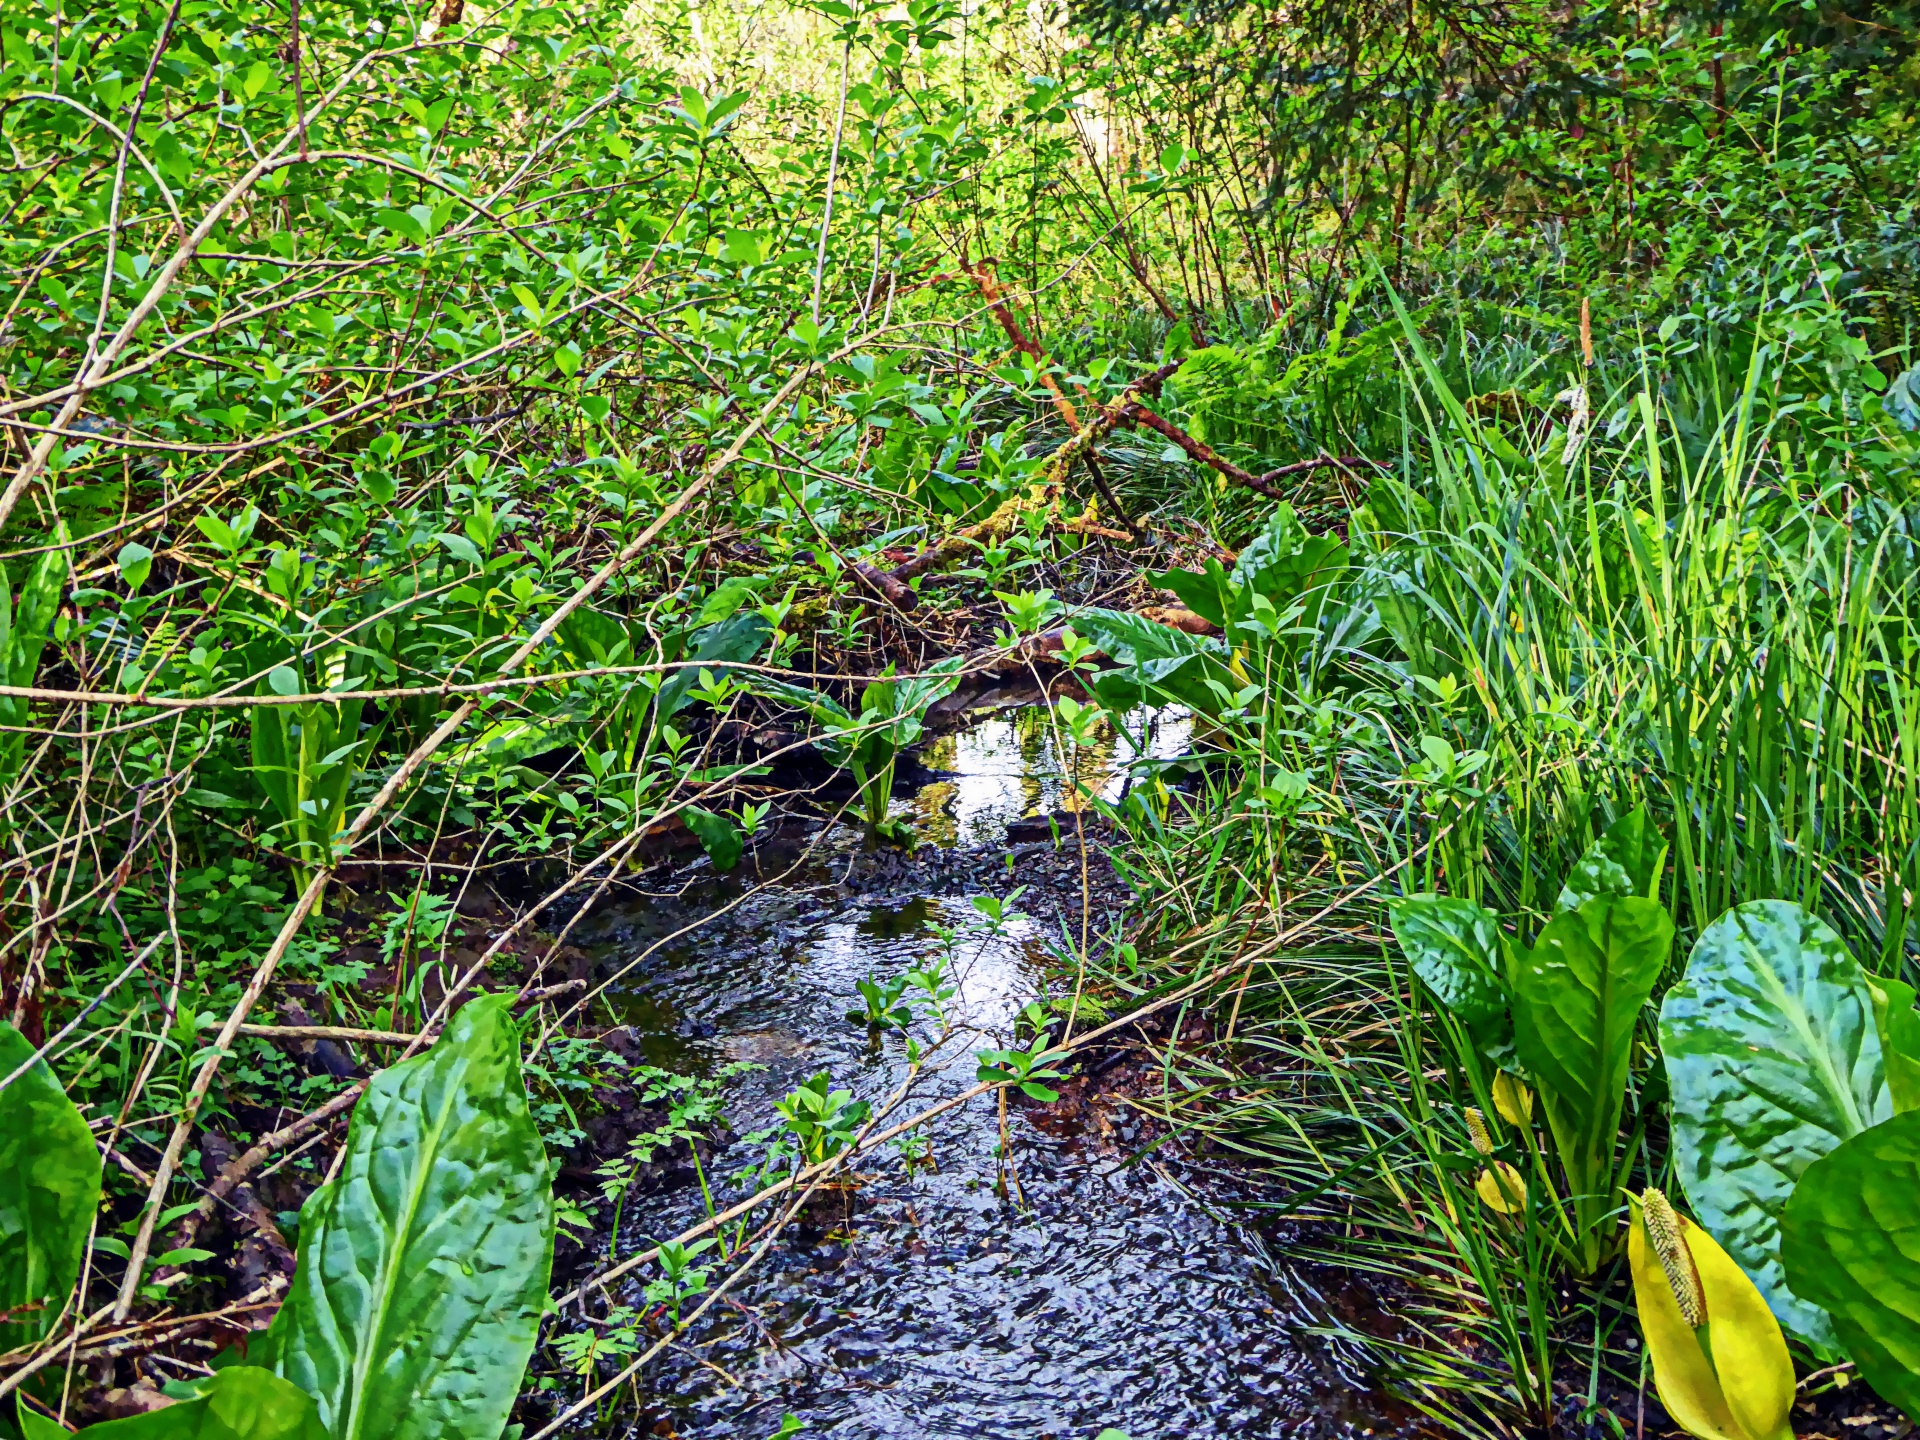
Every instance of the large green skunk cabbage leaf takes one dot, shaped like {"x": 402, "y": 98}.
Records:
{"x": 1454, "y": 946}
{"x": 49, "y": 1190}
{"x": 1627, "y": 860}
{"x": 1772, "y": 1060}
{"x": 1577, "y": 997}
{"x": 241, "y": 1402}
{"x": 1851, "y": 1243}
{"x": 423, "y": 1266}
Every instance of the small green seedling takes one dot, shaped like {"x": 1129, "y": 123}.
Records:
{"x": 1024, "y": 1068}
{"x": 930, "y": 979}
{"x": 678, "y": 1276}
{"x": 823, "y": 1120}
{"x": 883, "y": 1008}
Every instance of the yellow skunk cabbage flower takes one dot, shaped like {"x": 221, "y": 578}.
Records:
{"x": 1719, "y": 1362}
{"x": 1501, "y": 1189}
{"x": 1513, "y": 1100}
{"x": 1499, "y": 1186}
{"x": 1477, "y": 1131}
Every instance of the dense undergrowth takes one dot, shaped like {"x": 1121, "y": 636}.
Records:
{"x": 504, "y": 453}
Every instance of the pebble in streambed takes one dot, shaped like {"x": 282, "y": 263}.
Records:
{"x": 1120, "y": 1294}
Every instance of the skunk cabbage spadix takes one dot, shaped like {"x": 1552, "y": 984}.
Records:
{"x": 1499, "y": 1185}
{"x": 1729, "y": 1376}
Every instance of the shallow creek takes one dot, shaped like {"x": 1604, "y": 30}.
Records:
{"x": 1140, "y": 1296}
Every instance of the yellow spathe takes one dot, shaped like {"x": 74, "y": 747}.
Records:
{"x": 1731, "y": 1379}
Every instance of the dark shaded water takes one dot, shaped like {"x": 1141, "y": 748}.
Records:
{"x": 1121, "y": 1294}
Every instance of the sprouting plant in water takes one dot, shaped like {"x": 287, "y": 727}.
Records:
{"x": 821, "y": 1120}
{"x": 693, "y": 1105}
{"x": 892, "y": 714}
{"x": 997, "y": 911}
{"x": 915, "y": 1148}
{"x": 930, "y": 979}
{"x": 679, "y": 1277}
{"x": 881, "y": 1004}
{"x": 774, "y": 1152}
{"x": 1025, "y": 1068}
{"x": 1081, "y": 722}
{"x": 933, "y": 978}
{"x": 615, "y": 1338}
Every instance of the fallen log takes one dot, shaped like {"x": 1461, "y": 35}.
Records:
{"x": 1180, "y": 619}
{"x": 990, "y": 291}
{"x": 1266, "y": 483}
{"x": 892, "y": 585}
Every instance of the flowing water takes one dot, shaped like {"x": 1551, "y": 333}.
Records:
{"x": 1126, "y": 1292}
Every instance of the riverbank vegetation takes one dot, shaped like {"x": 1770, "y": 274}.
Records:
{"x": 465, "y": 464}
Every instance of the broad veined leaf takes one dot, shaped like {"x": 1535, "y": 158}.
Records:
{"x": 1154, "y": 661}
{"x": 25, "y": 632}
{"x": 1399, "y": 510}
{"x": 1208, "y": 593}
{"x": 589, "y": 635}
{"x": 906, "y": 701}
{"x": 513, "y": 740}
{"x": 727, "y": 598}
{"x": 49, "y": 1190}
{"x": 1851, "y": 1243}
{"x": 1454, "y": 947}
{"x": 1898, "y": 1024}
{"x": 736, "y": 638}
{"x": 1129, "y": 639}
{"x": 461, "y": 548}
{"x": 23, "y": 635}
{"x": 241, "y": 1402}
{"x": 823, "y": 710}
{"x": 1627, "y": 860}
{"x": 1284, "y": 562}
{"x": 717, "y": 835}
{"x": 746, "y": 247}
{"x": 1772, "y": 1060}
{"x": 423, "y": 1266}
{"x": 891, "y": 714}
{"x": 1576, "y": 998}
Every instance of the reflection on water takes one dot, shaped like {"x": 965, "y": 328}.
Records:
{"x": 1011, "y": 765}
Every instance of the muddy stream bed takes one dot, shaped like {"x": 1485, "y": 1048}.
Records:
{"x": 1135, "y": 1288}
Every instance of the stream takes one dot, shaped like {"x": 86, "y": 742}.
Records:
{"x": 1129, "y": 1291}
